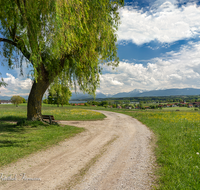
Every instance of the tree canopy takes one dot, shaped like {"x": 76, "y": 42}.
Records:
{"x": 16, "y": 100}
{"x": 72, "y": 37}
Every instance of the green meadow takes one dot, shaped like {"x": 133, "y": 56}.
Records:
{"x": 13, "y": 113}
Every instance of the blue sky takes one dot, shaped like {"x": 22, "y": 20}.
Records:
{"x": 158, "y": 47}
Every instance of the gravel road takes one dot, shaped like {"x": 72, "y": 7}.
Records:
{"x": 114, "y": 153}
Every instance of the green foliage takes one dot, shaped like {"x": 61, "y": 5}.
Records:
{"x": 114, "y": 106}
{"x": 2, "y": 83}
{"x": 45, "y": 101}
{"x": 16, "y": 100}
{"x": 57, "y": 36}
{"x": 103, "y": 103}
{"x": 59, "y": 92}
{"x": 93, "y": 103}
{"x": 24, "y": 101}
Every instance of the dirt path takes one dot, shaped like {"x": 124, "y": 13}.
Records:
{"x": 111, "y": 154}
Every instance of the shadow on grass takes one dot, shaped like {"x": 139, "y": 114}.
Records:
{"x": 10, "y": 127}
{"x": 10, "y": 135}
{"x": 11, "y": 118}
{"x": 14, "y": 143}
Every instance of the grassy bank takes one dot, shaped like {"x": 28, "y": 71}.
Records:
{"x": 178, "y": 150}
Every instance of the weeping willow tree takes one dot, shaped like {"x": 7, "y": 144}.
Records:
{"x": 73, "y": 37}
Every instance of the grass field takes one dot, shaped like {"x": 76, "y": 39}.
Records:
{"x": 17, "y": 141}
{"x": 179, "y": 108}
{"x": 13, "y": 113}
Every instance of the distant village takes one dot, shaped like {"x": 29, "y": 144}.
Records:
{"x": 5, "y": 102}
{"x": 139, "y": 105}
{"x": 130, "y": 105}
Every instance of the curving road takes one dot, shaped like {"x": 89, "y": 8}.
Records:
{"x": 114, "y": 153}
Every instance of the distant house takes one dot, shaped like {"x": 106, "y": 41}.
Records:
{"x": 119, "y": 107}
{"x": 182, "y": 104}
{"x": 5, "y": 102}
{"x": 81, "y": 104}
{"x": 169, "y": 105}
{"x": 196, "y": 104}
{"x": 190, "y": 105}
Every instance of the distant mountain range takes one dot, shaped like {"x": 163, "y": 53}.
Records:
{"x": 142, "y": 93}
{"x": 9, "y": 97}
{"x": 134, "y": 93}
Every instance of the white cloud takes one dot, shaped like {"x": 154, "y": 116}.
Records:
{"x": 166, "y": 23}
{"x": 174, "y": 70}
{"x": 16, "y": 86}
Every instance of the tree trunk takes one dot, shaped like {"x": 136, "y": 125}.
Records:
{"x": 35, "y": 99}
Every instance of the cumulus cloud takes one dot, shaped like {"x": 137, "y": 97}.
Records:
{"x": 174, "y": 70}
{"x": 16, "y": 86}
{"x": 166, "y": 23}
